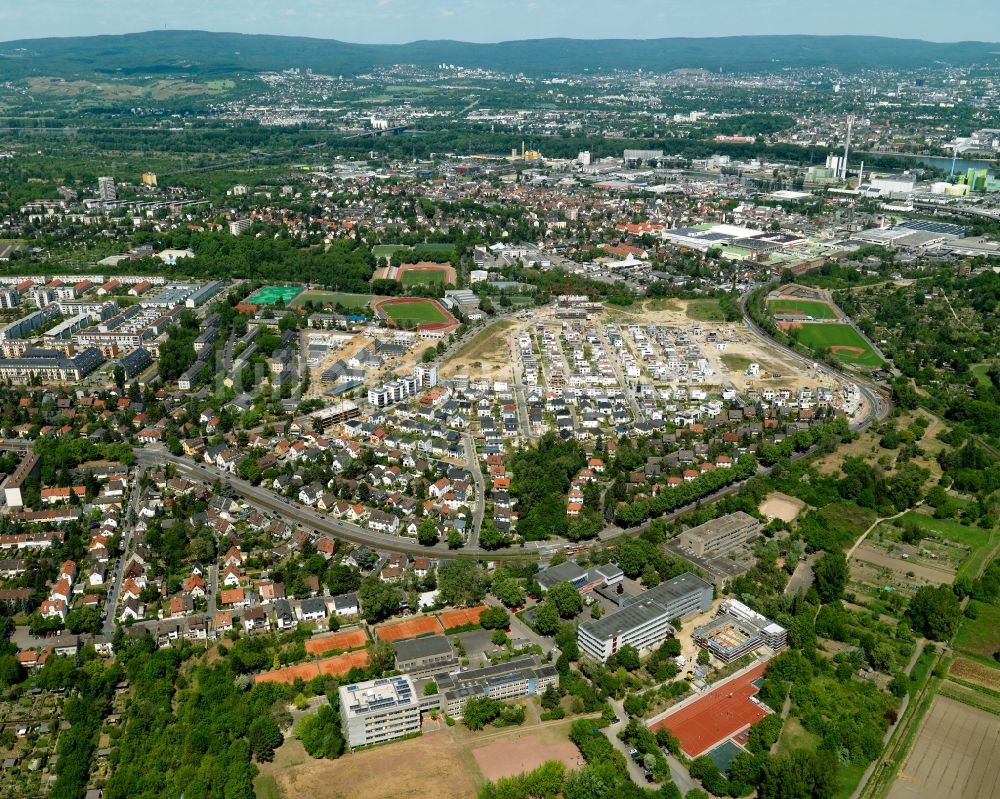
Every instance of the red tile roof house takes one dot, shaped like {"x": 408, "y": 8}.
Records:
{"x": 234, "y": 597}
{"x": 195, "y": 586}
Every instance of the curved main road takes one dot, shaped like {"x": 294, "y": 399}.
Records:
{"x": 878, "y": 407}
{"x": 322, "y": 523}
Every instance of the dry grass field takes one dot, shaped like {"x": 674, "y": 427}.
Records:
{"x": 413, "y": 769}
{"x": 443, "y": 763}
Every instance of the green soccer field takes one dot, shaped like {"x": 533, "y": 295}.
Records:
{"x": 837, "y": 336}
{"x": 269, "y": 295}
{"x": 817, "y": 310}
{"x": 423, "y": 277}
{"x": 333, "y": 298}
{"x": 387, "y": 250}
{"x": 422, "y": 312}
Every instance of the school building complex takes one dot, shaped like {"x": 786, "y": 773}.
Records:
{"x": 643, "y": 621}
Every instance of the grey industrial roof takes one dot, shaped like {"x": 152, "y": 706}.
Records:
{"x": 642, "y": 611}
{"x": 675, "y": 588}
{"x": 564, "y": 572}
{"x": 416, "y": 648}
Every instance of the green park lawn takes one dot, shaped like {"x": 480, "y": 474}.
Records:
{"x": 333, "y": 298}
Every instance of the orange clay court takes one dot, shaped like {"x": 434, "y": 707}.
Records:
{"x": 718, "y": 715}
{"x": 458, "y": 618}
{"x": 411, "y": 628}
{"x": 345, "y": 641}
{"x": 333, "y": 667}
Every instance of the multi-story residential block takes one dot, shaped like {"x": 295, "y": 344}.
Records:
{"x": 377, "y": 711}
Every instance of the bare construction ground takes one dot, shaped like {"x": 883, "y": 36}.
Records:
{"x": 777, "y": 369}
{"x": 781, "y": 506}
{"x": 956, "y": 754}
{"x": 510, "y": 756}
{"x": 488, "y": 354}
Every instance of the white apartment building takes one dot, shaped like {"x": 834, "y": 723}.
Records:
{"x": 377, "y": 711}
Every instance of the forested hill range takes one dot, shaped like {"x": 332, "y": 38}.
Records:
{"x": 166, "y": 53}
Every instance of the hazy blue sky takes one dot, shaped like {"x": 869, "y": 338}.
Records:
{"x": 495, "y": 20}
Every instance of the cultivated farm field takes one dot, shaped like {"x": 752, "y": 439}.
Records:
{"x": 957, "y": 753}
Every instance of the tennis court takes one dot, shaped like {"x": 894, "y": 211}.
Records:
{"x": 724, "y": 754}
{"x": 411, "y": 628}
{"x": 335, "y": 666}
{"x": 459, "y": 618}
{"x": 270, "y": 295}
{"x": 720, "y": 714}
{"x": 343, "y": 642}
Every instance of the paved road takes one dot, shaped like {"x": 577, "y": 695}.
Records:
{"x": 616, "y": 367}
{"x": 802, "y": 577}
{"x": 118, "y": 573}
{"x": 472, "y": 464}
{"x": 635, "y": 771}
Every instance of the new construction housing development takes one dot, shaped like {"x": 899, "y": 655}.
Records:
{"x": 722, "y": 535}
{"x": 737, "y": 630}
{"x": 377, "y": 711}
{"x": 643, "y": 621}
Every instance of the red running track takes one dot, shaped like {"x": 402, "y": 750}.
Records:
{"x": 718, "y": 715}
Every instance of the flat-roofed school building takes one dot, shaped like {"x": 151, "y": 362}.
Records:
{"x": 722, "y": 535}
{"x": 419, "y": 657}
{"x": 522, "y": 676}
{"x": 643, "y": 621}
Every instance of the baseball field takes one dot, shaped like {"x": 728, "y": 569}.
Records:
{"x": 842, "y": 340}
